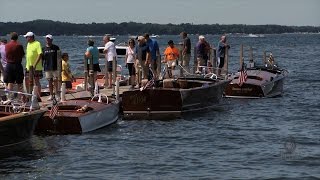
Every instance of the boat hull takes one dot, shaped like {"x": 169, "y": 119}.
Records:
{"x": 70, "y": 121}
{"x": 171, "y": 102}
{"x": 18, "y": 128}
{"x": 260, "y": 84}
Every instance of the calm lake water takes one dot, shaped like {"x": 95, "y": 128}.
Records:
{"x": 276, "y": 138}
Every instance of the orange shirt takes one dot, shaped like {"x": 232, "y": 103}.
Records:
{"x": 171, "y": 53}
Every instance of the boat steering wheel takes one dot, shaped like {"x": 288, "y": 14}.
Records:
{"x": 211, "y": 76}
{"x": 17, "y": 106}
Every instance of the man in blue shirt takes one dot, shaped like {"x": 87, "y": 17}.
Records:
{"x": 222, "y": 46}
{"x": 50, "y": 65}
{"x": 154, "y": 51}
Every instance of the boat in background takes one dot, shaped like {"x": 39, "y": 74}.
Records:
{"x": 17, "y": 118}
{"x": 80, "y": 115}
{"x": 255, "y": 35}
{"x": 257, "y": 81}
{"x": 121, "y": 50}
{"x": 154, "y": 36}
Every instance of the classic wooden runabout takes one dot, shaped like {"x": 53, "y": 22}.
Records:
{"x": 259, "y": 82}
{"x": 79, "y": 116}
{"x": 172, "y": 97}
{"x": 17, "y": 119}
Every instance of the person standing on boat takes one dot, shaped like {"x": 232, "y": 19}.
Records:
{"x": 13, "y": 72}
{"x": 50, "y": 65}
{"x": 221, "y": 52}
{"x": 143, "y": 57}
{"x": 3, "y": 58}
{"x": 186, "y": 51}
{"x": 154, "y": 52}
{"x": 130, "y": 59}
{"x": 171, "y": 55}
{"x": 203, "y": 48}
{"x": 111, "y": 53}
{"x": 34, "y": 59}
{"x": 66, "y": 75}
{"x": 93, "y": 52}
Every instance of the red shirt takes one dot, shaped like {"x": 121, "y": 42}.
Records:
{"x": 14, "y": 52}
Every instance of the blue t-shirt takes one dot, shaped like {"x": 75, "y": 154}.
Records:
{"x": 153, "y": 47}
{"x": 50, "y": 61}
{"x": 94, "y": 53}
{"x": 141, "y": 51}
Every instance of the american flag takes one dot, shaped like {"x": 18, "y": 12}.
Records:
{"x": 54, "y": 109}
{"x": 151, "y": 82}
{"x": 242, "y": 75}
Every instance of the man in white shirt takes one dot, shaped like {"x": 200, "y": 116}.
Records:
{"x": 110, "y": 51}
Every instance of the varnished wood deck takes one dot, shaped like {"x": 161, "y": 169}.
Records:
{"x": 81, "y": 94}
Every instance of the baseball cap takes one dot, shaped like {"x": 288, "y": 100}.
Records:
{"x": 29, "y": 34}
{"x": 49, "y": 36}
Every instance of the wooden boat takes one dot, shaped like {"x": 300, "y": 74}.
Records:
{"x": 173, "y": 97}
{"x": 80, "y": 116}
{"x": 261, "y": 81}
{"x": 17, "y": 120}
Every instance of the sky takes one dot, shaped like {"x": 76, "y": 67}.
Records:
{"x": 251, "y": 12}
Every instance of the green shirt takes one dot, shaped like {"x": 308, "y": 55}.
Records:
{"x": 33, "y": 51}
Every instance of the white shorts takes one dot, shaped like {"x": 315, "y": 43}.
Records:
{"x": 51, "y": 74}
{"x": 172, "y": 63}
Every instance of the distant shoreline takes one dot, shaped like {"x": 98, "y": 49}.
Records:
{"x": 125, "y": 28}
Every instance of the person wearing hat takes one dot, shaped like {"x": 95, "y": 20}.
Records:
{"x": 3, "y": 58}
{"x": 143, "y": 57}
{"x": 50, "y": 65}
{"x": 33, "y": 59}
{"x": 203, "y": 48}
{"x": 154, "y": 53}
{"x": 14, "y": 70}
{"x": 171, "y": 55}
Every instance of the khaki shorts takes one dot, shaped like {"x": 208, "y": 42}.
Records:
{"x": 172, "y": 63}
{"x": 51, "y": 74}
{"x": 186, "y": 60}
{"x": 202, "y": 62}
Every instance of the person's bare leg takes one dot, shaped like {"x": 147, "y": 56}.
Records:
{"x": 10, "y": 86}
{"x": 50, "y": 81}
{"x": 110, "y": 79}
{"x": 55, "y": 84}
{"x": 37, "y": 83}
{"x": 27, "y": 82}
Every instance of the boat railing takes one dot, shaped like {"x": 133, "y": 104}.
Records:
{"x": 16, "y": 101}
{"x": 182, "y": 72}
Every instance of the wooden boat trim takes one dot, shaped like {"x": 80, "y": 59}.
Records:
{"x": 18, "y": 115}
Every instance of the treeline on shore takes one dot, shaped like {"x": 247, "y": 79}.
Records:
{"x": 42, "y": 27}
